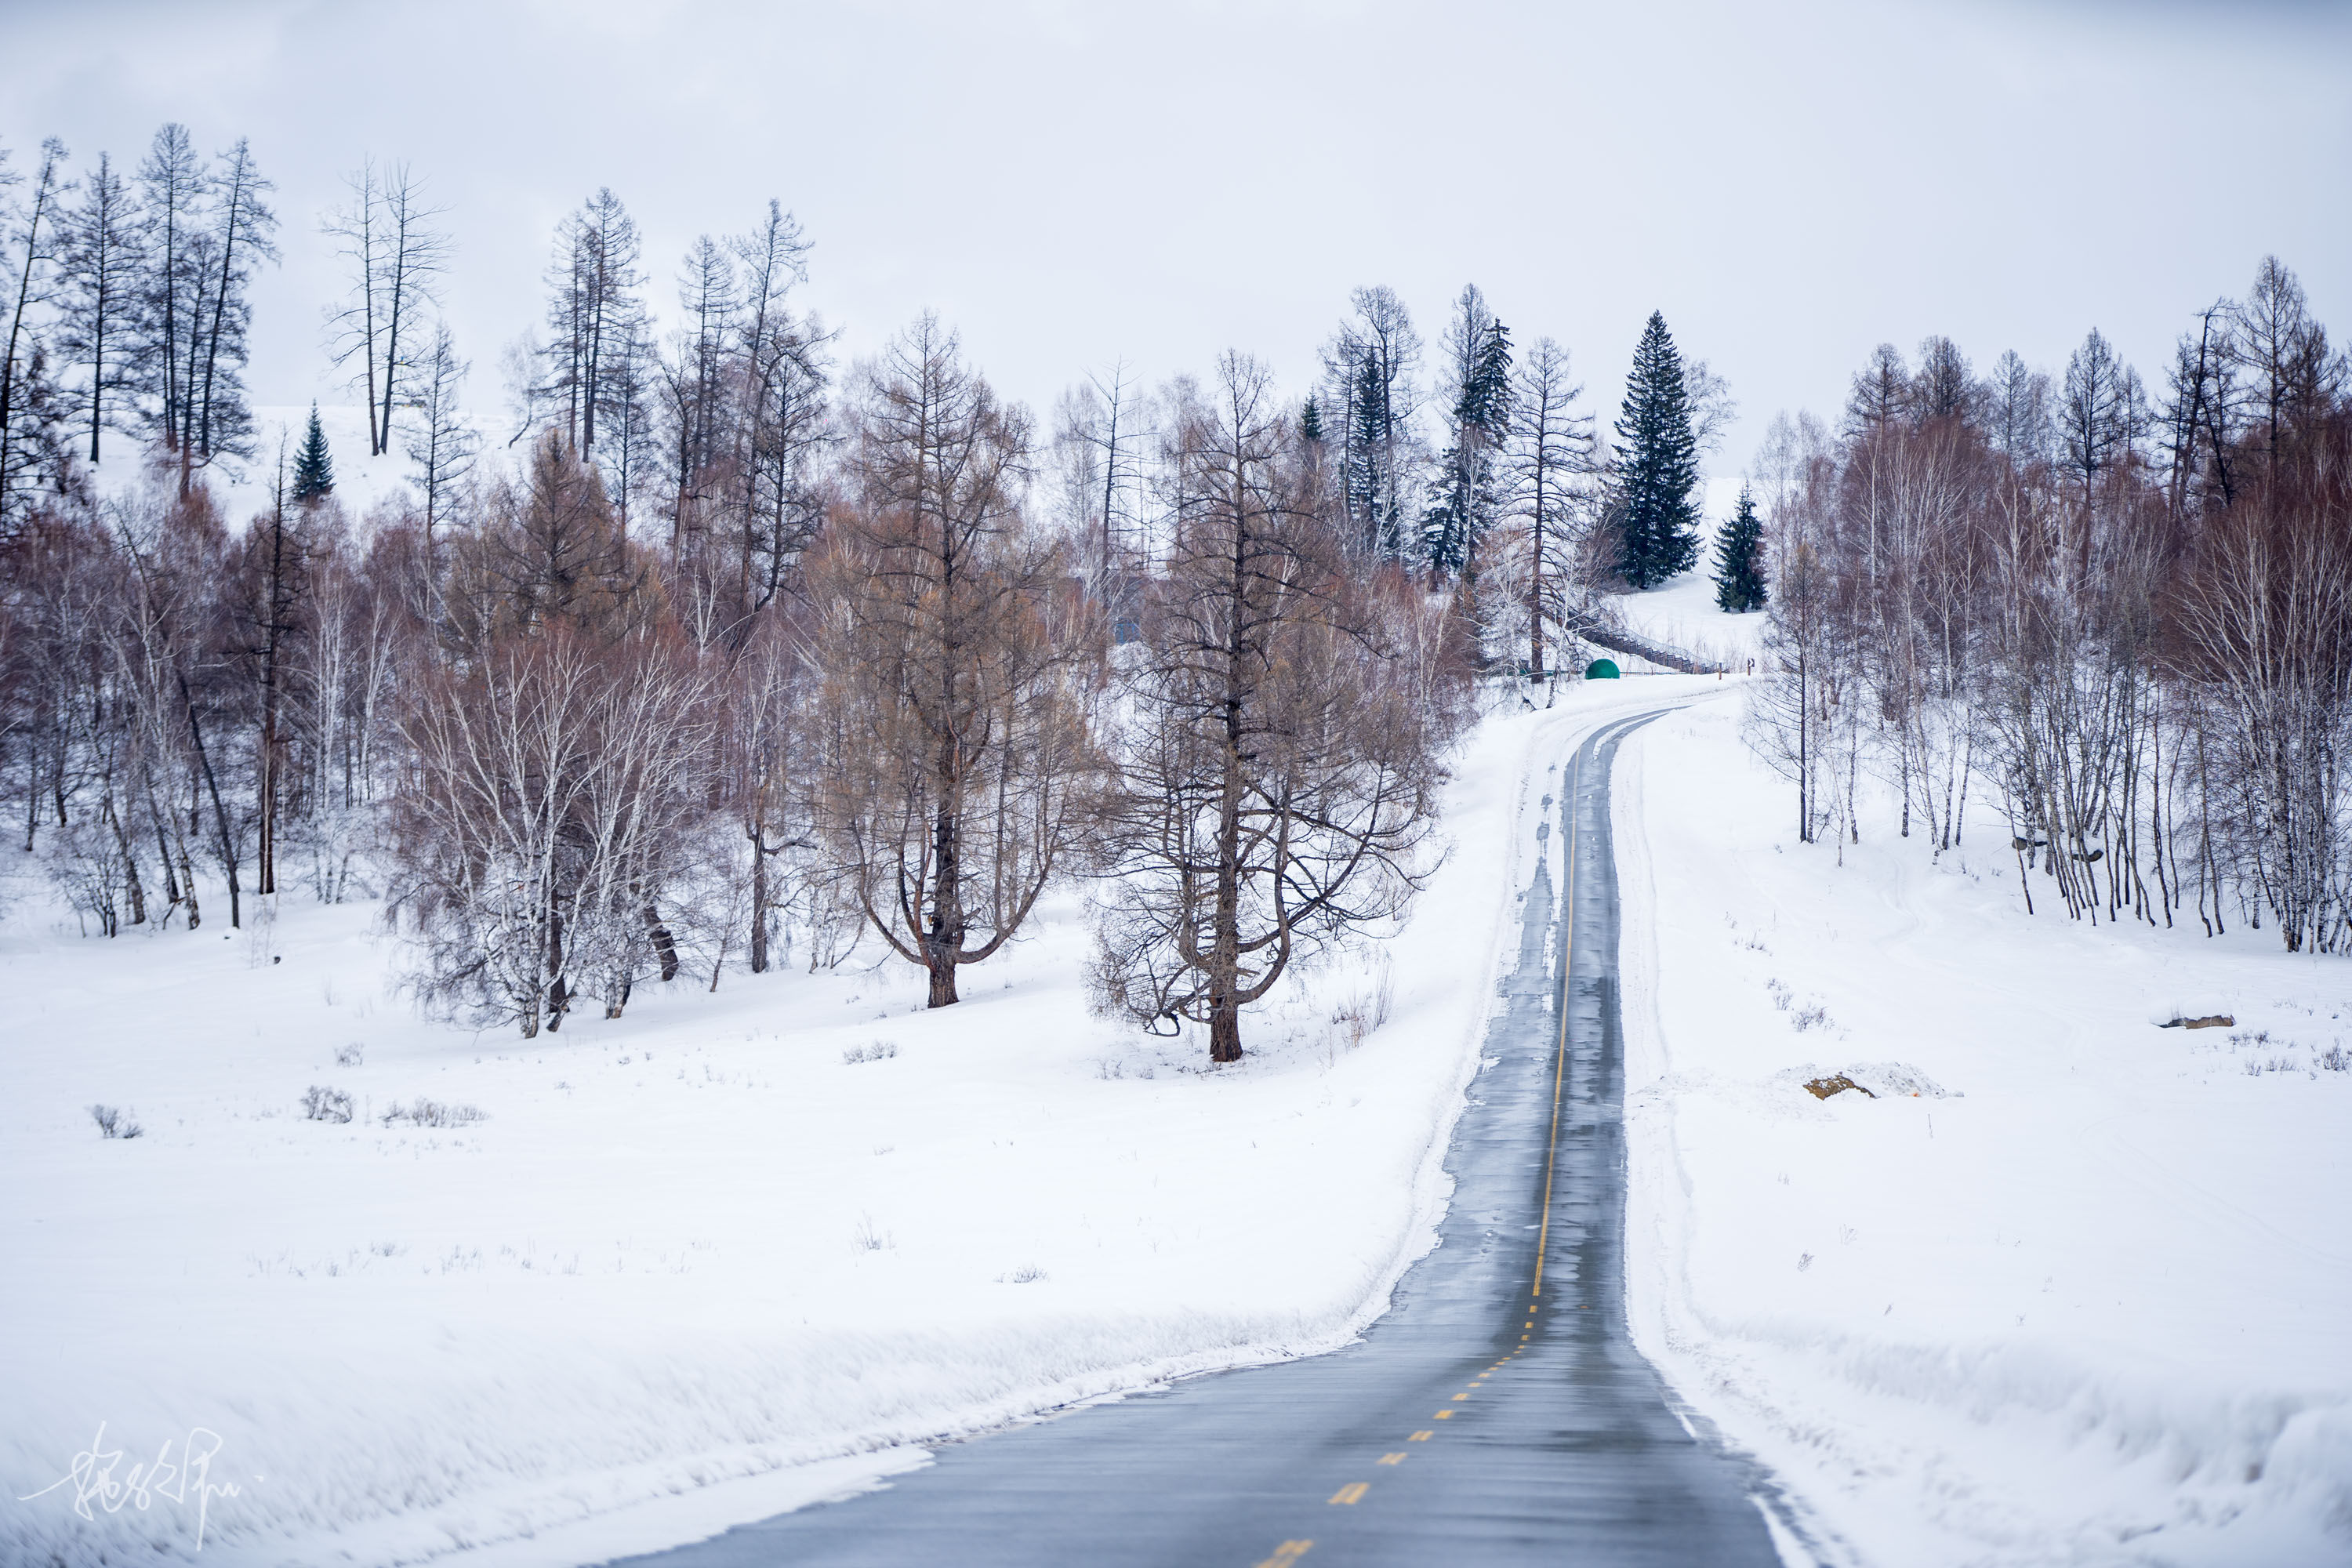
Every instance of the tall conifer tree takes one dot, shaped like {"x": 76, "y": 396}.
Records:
{"x": 1468, "y": 498}
{"x": 1657, "y": 464}
{"x": 1740, "y": 560}
{"x": 314, "y": 466}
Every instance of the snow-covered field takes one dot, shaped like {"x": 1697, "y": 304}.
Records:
{"x": 683, "y": 1255}
{"x": 2087, "y": 1298}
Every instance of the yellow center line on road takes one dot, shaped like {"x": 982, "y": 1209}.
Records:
{"x": 1290, "y": 1552}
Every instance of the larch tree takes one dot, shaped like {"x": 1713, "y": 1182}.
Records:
{"x": 29, "y": 246}
{"x": 1551, "y": 456}
{"x": 783, "y": 427}
{"x": 99, "y": 322}
{"x": 394, "y": 256}
{"x": 597, "y": 327}
{"x": 954, "y": 732}
{"x": 441, "y": 443}
{"x": 2018, "y": 411}
{"x": 1279, "y": 763}
{"x": 2102, "y": 414}
{"x": 173, "y": 183}
{"x": 220, "y": 421}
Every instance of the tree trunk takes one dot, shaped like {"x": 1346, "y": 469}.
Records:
{"x": 1225, "y": 1029}
{"x": 759, "y": 903}
{"x": 130, "y": 883}
{"x": 220, "y": 812}
{"x": 665, "y": 945}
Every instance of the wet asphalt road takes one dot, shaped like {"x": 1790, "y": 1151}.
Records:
{"x": 1499, "y": 1413}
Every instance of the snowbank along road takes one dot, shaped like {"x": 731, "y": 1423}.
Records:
{"x": 1498, "y": 1415}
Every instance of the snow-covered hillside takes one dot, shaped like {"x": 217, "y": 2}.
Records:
{"x": 701, "y": 1243}
{"x": 1682, "y": 612}
{"x": 240, "y": 489}
{"x": 2072, "y": 1288}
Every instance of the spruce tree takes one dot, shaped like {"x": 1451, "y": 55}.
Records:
{"x": 1469, "y": 498}
{"x": 1310, "y": 420}
{"x": 1370, "y": 495}
{"x": 1658, "y": 469}
{"x": 1740, "y": 560}
{"x": 314, "y": 467}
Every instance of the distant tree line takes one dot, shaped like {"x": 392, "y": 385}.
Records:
{"x": 2123, "y": 615}
{"x": 730, "y": 656}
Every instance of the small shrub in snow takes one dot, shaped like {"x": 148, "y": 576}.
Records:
{"x": 867, "y": 1239}
{"x": 1813, "y": 1018}
{"x": 1361, "y": 1015}
{"x": 880, "y": 1051}
{"x": 2335, "y": 1059}
{"x": 111, "y": 1122}
{"x": 1027, "y": 1274}
{"x": 351, "y": 1055}
{"x": 423, "y": 1112}
{"x": 321, "y": 1104}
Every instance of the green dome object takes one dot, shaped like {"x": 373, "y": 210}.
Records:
{"x": 1602, "y": 669}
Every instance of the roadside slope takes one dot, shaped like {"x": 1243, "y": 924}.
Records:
{"x": 2072, "y": 1289}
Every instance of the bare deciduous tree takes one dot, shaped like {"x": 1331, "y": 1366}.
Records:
{"x": 954, "y": 736}
{"x": 1278, "y": 762}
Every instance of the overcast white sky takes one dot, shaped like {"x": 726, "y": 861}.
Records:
{"x": 1069, "y": 184}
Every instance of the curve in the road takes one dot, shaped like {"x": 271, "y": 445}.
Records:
{"x": 1498, "y": 1415}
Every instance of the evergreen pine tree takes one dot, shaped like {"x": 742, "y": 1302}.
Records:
{"x": 1310, "y": 420}
{"x": 1740, "y": 560}
{"x": 1369, "y": 493}
{"x": 1657, "y": 468}
{"x": 314, "y": 467}
{"x": 1469, "y": 501}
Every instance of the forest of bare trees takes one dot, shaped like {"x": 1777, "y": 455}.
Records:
{"x": 2124, "y": 616}
{"x": 720, "y": 655}
{"x": 727, "y": 657}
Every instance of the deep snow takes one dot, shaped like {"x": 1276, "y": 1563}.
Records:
{"x": 690, "y": 1246}
{"x": 2087, "y": 1298}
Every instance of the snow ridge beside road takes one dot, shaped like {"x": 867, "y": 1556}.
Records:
{"x": 2094, "y": 1306}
